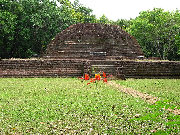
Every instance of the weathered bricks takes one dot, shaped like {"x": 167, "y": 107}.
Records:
{"x": 90, "y": 40}
{"x": 40, "y": 68}
{"x": 82, "y": 47}
{"x": 139, "y": 69}
{"x": 74, "y": 68}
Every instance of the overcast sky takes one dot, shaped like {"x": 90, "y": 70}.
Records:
{"x": 126, "y": 9}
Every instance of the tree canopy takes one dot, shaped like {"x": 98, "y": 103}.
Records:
{"x": 158, "y": 33}
{"x": 27, "y": 26}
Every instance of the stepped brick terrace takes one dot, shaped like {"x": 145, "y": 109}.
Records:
{"x": 85, "y": 48}
{"x": 93, "y": 41}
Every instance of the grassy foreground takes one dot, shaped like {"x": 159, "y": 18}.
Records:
{"x": 69, "y": 106}
{"x": 168, "y": 90}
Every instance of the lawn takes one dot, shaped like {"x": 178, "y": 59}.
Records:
{"x": 70, "y": 106}
{"x": 167, "y": 90}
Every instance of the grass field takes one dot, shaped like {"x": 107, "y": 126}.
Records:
{"x": 69, "y": 106}
{"x": 167, "y": 90}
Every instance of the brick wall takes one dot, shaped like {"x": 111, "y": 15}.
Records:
{"x": 40, "y": 68}
{"x": 74, "y": 68}
{"x": 151, "y": 69}
{"x": 137, "y": 69}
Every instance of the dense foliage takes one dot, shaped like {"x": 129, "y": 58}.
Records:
{"x": 27, "y": 26}
{"x": 158, "y": 33}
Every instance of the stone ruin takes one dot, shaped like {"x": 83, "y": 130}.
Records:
{"x": 84, "y": 48}
{"x": 93, "y": 41}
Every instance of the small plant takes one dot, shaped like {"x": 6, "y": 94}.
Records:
{"x": 95, "y": 79}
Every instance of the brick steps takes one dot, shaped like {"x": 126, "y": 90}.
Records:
{"x": 79, "y": 39}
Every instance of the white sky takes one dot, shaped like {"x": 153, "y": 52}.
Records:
{"x": 126, "y": 9}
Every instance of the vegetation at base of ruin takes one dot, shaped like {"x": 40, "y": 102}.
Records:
{"x": 70, "y": 106}
{"x": 27, "y": 26}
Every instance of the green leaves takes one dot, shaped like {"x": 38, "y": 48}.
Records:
{"x": 156, "y": 32}
{"x": 7, "y": 22}
{"x": 27, "y": 26}
{"x": 7, "y": 31}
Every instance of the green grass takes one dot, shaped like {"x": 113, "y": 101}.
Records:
{"x": 69, "y": 106}
{"x": 167, "y": 90}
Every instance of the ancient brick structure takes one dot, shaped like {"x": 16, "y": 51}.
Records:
{"x": 135, "y": 69}
{"x": 85, "y": 48}
{"x": 40, "y": 68}
{"x": 93, "y": 41}
{"x": 75, "y": 68}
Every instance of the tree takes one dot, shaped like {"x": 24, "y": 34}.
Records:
{"x": 82, "y": 13}
{"x": 123, "y": 23}
{"x": 103, "y": 19}
{"x": 78, "y": 12}
{"x": 8, "y": 22}
{"x": 157, "y": 31}
{"x": 27, "y": 26}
